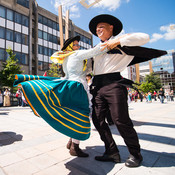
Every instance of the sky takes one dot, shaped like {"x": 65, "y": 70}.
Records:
{"x": 154, "y": 17}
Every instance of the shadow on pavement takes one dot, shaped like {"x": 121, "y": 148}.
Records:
{"x": 7, "y": 138}
{"x": 4, "y": 113}
{"x": 91, "y": 166}
{"x": 139, "y": 123}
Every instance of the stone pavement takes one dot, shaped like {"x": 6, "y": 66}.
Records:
{"x": 29, "y": 146}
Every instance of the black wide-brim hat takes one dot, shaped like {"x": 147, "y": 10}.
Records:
{"x": 106, "y": 19}
{"x": 70, "y": 40}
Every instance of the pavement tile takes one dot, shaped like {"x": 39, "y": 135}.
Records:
{"x": 21, "y": 168}
{"x": 8, "y": 159}
{"x": 42, "y": 161}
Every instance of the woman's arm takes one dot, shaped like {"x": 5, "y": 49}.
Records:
{"x": 87, "y": 54}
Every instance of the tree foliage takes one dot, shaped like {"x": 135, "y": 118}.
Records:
{"x": 152, "y": 83}
{"x": 55, "y": 70}
{"x": 9, "y": 69}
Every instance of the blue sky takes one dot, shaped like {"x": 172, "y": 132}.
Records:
{"x": 154, "y": 17}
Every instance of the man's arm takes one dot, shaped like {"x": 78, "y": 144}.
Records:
{"x": 135, "y": 39}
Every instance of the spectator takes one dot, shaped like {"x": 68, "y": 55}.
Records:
{"x": 7, "y": 98}
{"x": 1, "y": 98}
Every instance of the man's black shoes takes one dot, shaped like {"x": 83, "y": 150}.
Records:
{"x": 134, "y": 161}
{"x": 109, "y": 158}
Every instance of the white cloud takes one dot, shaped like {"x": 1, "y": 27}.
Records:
{"x": 68, "y": 4}
{"x": 155, "y": 37}
{"x": 168, "y": 33}
{"x": 111, "y": 5}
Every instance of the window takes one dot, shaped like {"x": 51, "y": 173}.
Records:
{"x": 18, "y": 56}
{"x": 9, "y": 35}
{"x": 50, "y": 24}
{"x": 10, "y": 15}
{"x": 17, "y": 18}
{"x": 2, "y": 32}
{"x": 58, "y": 28}
{"x": 2, "y": 54}
{"x": 24, "y": 39}
{"x": 45, "y": 66}
{"x": 24, "y": 58}
{"x": 45, "y": 21}
{"x": 46, "y": 51}
{"x": 24, "y": 3}
{"x": 40, "y": 65}
{"x": 50, "y": 52}
{"x": 54, "y": 25}
{"x": 17, "y": 37}
{"x": 40, "y": 19}
{"x": 55, "y": 39}
{"x": 40, "y": 34}
{"x": 44, "y": 35}
{"x": 40, "y": 49}
{"x": 25, "y": 21}
{"x": 2, "y": 12}
{"x": 50, "y": 37}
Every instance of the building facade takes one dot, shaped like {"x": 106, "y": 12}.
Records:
{"x": 164, "y": 67}
{"x": 33, "y": 34}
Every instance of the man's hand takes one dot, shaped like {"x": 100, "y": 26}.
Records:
{"x": 113, "y": 43}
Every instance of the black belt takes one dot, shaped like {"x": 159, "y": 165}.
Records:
{"x": 105, "y": 79}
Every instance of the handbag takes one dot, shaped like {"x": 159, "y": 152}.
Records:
{"x": 17, "y": 94}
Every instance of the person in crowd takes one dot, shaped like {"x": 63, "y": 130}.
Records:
{"x": 149, "y": 97}
{"x": 109, "y": 87}
{"x": 1, "y": 98}
{"x": 6, "y": 98}
{"x": 161, "y": 95}
{"x": 172, "y": 95}
{"x": 155, "y": 96}
{"x": 19, "y": 96}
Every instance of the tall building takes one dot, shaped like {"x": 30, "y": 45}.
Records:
{"x": 33, "y": 34}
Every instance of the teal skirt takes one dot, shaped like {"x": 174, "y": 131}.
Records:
{"x": 63, "y": 104}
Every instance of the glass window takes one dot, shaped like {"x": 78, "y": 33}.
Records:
{"x": 50, "y": 52}
{"x": 2, "y": 54}
{"x": 40, "y": 49}
{"x": 25, "y": 39}
{"x": 50, "y": 23}
{"x": 24, "y": 58}
{"x": 44, "y": 35}
{"x": 45, "y": 66}
{"x": 50, "y": 37}
{"x": 25, "y": 21}
{"x": 55, "y": 39}
{"x": 45, "y": 21}
{"x": 10, "y": 15}
{"x": 24, "y": 3}
{"x": 46, "y": 51}
{"x": 2, "y": 32}
{"x": 17, "y": 18}
{"x": 18, "y": 56}
{"x": 40, "y": 65}
{"x": 58, "y": 28}
{"x": 40, "y": 19}
{"x": 9, "y": 35}
{"x": 40, "y": 34}
{"x": 2, "y": 12}
{"x": 17, "y": 37}
{"x": 54, "y": 25}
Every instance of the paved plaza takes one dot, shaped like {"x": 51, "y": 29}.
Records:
{"x": 29, "y": 146}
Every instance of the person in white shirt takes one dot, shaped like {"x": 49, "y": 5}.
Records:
{"x": 109, "y": 93}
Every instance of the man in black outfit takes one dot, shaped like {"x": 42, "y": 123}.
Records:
{"x": 109, "y": 90}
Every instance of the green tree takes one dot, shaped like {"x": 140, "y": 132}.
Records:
{"x": 147, "y": 87}
{"x": 55, "y": 70}
{"x": 154, "y": 79}
{"x": 9, "y": 69}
